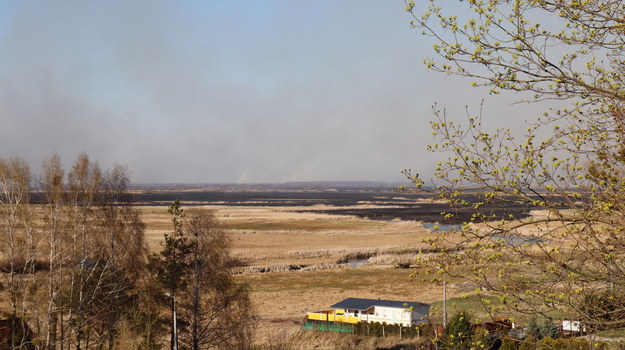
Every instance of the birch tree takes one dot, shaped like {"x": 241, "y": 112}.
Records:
{"x": 70, "y": 261}
{"x": 106, "y": 251}
{"x": 52, "y": 185}
{"x": 20, "y": 241}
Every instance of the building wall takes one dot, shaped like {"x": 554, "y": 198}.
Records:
{"x": 380, "y": 314}
{"x": 389, "y": 315}
{"x": 420, "y": 314}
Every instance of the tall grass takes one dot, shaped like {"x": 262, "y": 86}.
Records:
{"x": 289, "y": 267}
{"x": 397, "y": 260}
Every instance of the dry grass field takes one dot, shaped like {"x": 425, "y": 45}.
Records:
{"x": 275, "y": 238}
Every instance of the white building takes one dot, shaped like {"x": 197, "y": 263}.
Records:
{"x": 354, "y": 310}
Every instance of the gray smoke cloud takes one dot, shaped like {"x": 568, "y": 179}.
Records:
{"x": 223, "y": 91}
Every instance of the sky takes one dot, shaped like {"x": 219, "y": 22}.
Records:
{"x": 241, "y": 91}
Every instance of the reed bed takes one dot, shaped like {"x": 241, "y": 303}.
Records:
{"x": 342, "y": 252}
{"x": 397, "y": 260}
{"x": 324, "y": 266}
{"x": 289, "y": 267}
{"x": 268, "y": 268}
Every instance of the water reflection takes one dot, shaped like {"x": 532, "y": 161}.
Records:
{"x": 511, "y": 240}
{"x": 443, "y": 227}
{"x": 357, "y": 262}
{"x": 516, "y": 240}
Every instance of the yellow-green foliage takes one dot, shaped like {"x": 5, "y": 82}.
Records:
{"x": 567, "y": 168}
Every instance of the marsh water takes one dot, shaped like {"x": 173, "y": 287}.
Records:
{"x": 511, "y": 240}
{"x": 370, "y": 201}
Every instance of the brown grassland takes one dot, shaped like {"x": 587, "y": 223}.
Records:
{"x": 296, "y": 259}
{"x": 274, "y": 237}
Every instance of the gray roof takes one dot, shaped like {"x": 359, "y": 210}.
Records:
{"x": 364, "y": 304}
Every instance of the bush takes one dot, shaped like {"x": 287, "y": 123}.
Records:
{"x": 376, "y": 329}
{"x": 549, "y": 329}
{"x": 605, "y": 309}
{"x": 508, "y": 343}
{"x": 570, "y": 344}
{"x": 533, "y": 330}
{"x": 531, "y": 343}
{"x": 459, "y": 331}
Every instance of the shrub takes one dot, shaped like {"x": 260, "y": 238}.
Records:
{"x": 375, "y": 329}
{"x": 549, "y": 329}
{"x": 508, "y": 343}
{"x": 459, "y": 331}
{"x": 570, "y": 344}
{"x": 533, "y": 330}
{"x": 529, "y": 343}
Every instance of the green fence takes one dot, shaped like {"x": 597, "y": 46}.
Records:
{"x": 328, "y": 327}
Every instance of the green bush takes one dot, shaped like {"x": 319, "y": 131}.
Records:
{"x": 549, "y": 329}
{"x": 533, "y": 330}
{"x": 459, "y": 332}
{"x": 480, "y": 341}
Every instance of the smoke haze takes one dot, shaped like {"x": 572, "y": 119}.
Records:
{"x": 222, "y": 91}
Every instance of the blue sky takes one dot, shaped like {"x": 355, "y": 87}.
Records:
{"x": 222, "y": 91}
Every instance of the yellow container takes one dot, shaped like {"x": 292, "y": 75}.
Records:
{"x": 332, "y": 318}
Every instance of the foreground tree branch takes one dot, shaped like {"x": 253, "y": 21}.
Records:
{"x": 568, "y": 171}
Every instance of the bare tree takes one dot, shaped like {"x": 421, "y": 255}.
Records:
{"x": 83, "y": 229}
{"x": 217, "y": 307}
{"x": 19, "y": 239}
{"x": 106, "y": 251}
{"x": 52, "y": 185}
{"x": 195, "y": 268}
